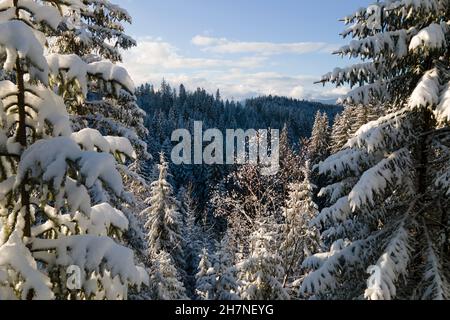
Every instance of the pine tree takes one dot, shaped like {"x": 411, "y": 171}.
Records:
{"x": 205, "y": 277}
{"x": 299, "y": 240}
{"x": 225, "y": 272}
{"x": 96, "y": 35}
{"x": 165, "y": 280}
{"x": 319, "y": 144}
{"x": 261, "y": 273}
{"x": 52, "y": 176}
{"x": 342, "y": 130}
{"x": 390, "y": 184}
{"x": 163, "y": 219}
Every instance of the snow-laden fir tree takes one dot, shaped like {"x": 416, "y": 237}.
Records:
{"x": 165, "y": 282}
{"x": 193, "y": 235}
{"x": 48, "y": 219}
{"x": 319, "y": 144}
{"x": 164, "y": 219}
{"x": 299, "y": 240}
{"x": 205, "y": 277}
{"x": 226, "y": 286}
{"x": 388, "y": 210}
{"x": 260, "y": 275}
{"x": 95, "y": 34}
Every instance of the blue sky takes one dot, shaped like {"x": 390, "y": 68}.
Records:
{"x": 243, "y": 47}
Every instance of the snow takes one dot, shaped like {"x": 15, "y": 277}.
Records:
{"x": 338, "y": 212}
{"x": 395, "y": 42}
{"x": 375, "y": 181}
{"x": 14, "y": 255}
{"x": 77, "y": 69}
{"x": 103, "y": 217}
{"x": 78, "y": 198}
{"x": 121, "y": 145}
{"x": 390, "y": 267}
{"x": 6, "y": 186}
{"x": 427, "y": 91}
{"x": 431, "y": 37}
{"x": 19, "y": 40}
{"x": 355, "y": 74}
{"x": 346, "y": 160}
{"x": 326, "y": 264}
{"x": 111, "y": 72}
{"x": 45, "y": 109}
{"x": 73, "y": 65}
{"x": 94, "y": 166}
{"x": 91, "y": 140}
{"x": 94, "y": 254}
{"x": 48, "y": 159}
{"x": 51, "y": 109}
{"x": 384, "y": 133}
{"x": 443, "y": 109}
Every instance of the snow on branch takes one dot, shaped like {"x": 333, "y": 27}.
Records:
{"x": 328, "y": 264}
{"x": 338, "y": 212}
{"x": 92, "y": 140}
{"x": 76, "y": 69}
{"x": 345, "y": 161}
{"x": 355, "y": 74}
{"x": 388, "y": 173}
{"x": 19, "y": 40}
{"x": 437, "y": 286}
{"x": 390, "y": 267}
{"x": 443, "y": 109}
{"x": 94, "y": 254}
{"x": 427, "y": 91}
{"x": 15, "y": 256}
{"x": 366, "y": 93}
{"x": 50, "y": 159}
{"x": 431, "y": 37}
{"x": 371, "y": 18}
{"x": 335, "y": 191}
{"x": 385, "y": 133}
{"x": 394, "y": 43}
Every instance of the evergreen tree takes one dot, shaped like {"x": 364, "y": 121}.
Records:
{"x": 53, "y": 177}
{"x": 319, "y": 144}
{"x": 165, "y": 280}
{"x": 226, "y": 286}
{"x": 299, "y": 240}
{"x": 390, "y": 183}
{"x": 261, "y": 273}
{"x": 163, "y": 219}
{"x": 205, "y": 277}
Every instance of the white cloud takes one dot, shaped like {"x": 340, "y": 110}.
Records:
{"x": 160, "y": 54}
{"x": 238, "y": 78}
{"x": 225, "y": 46}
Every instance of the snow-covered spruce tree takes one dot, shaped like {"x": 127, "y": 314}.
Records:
{"x": 226, "y": 286}
{"x": 319, "y": 144}
{"x": 299, "y": 240}
{"x": 163, "y": 219}
{"x": 194, "y": 236}
{"x": 95, "y": 33}
{"x": 165, "y": 280}
{"x": 388, "y": 207}
{"x": 205, "y": 277}
{"x": 47, "y": 218}
{"x": 260, "y": 275}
